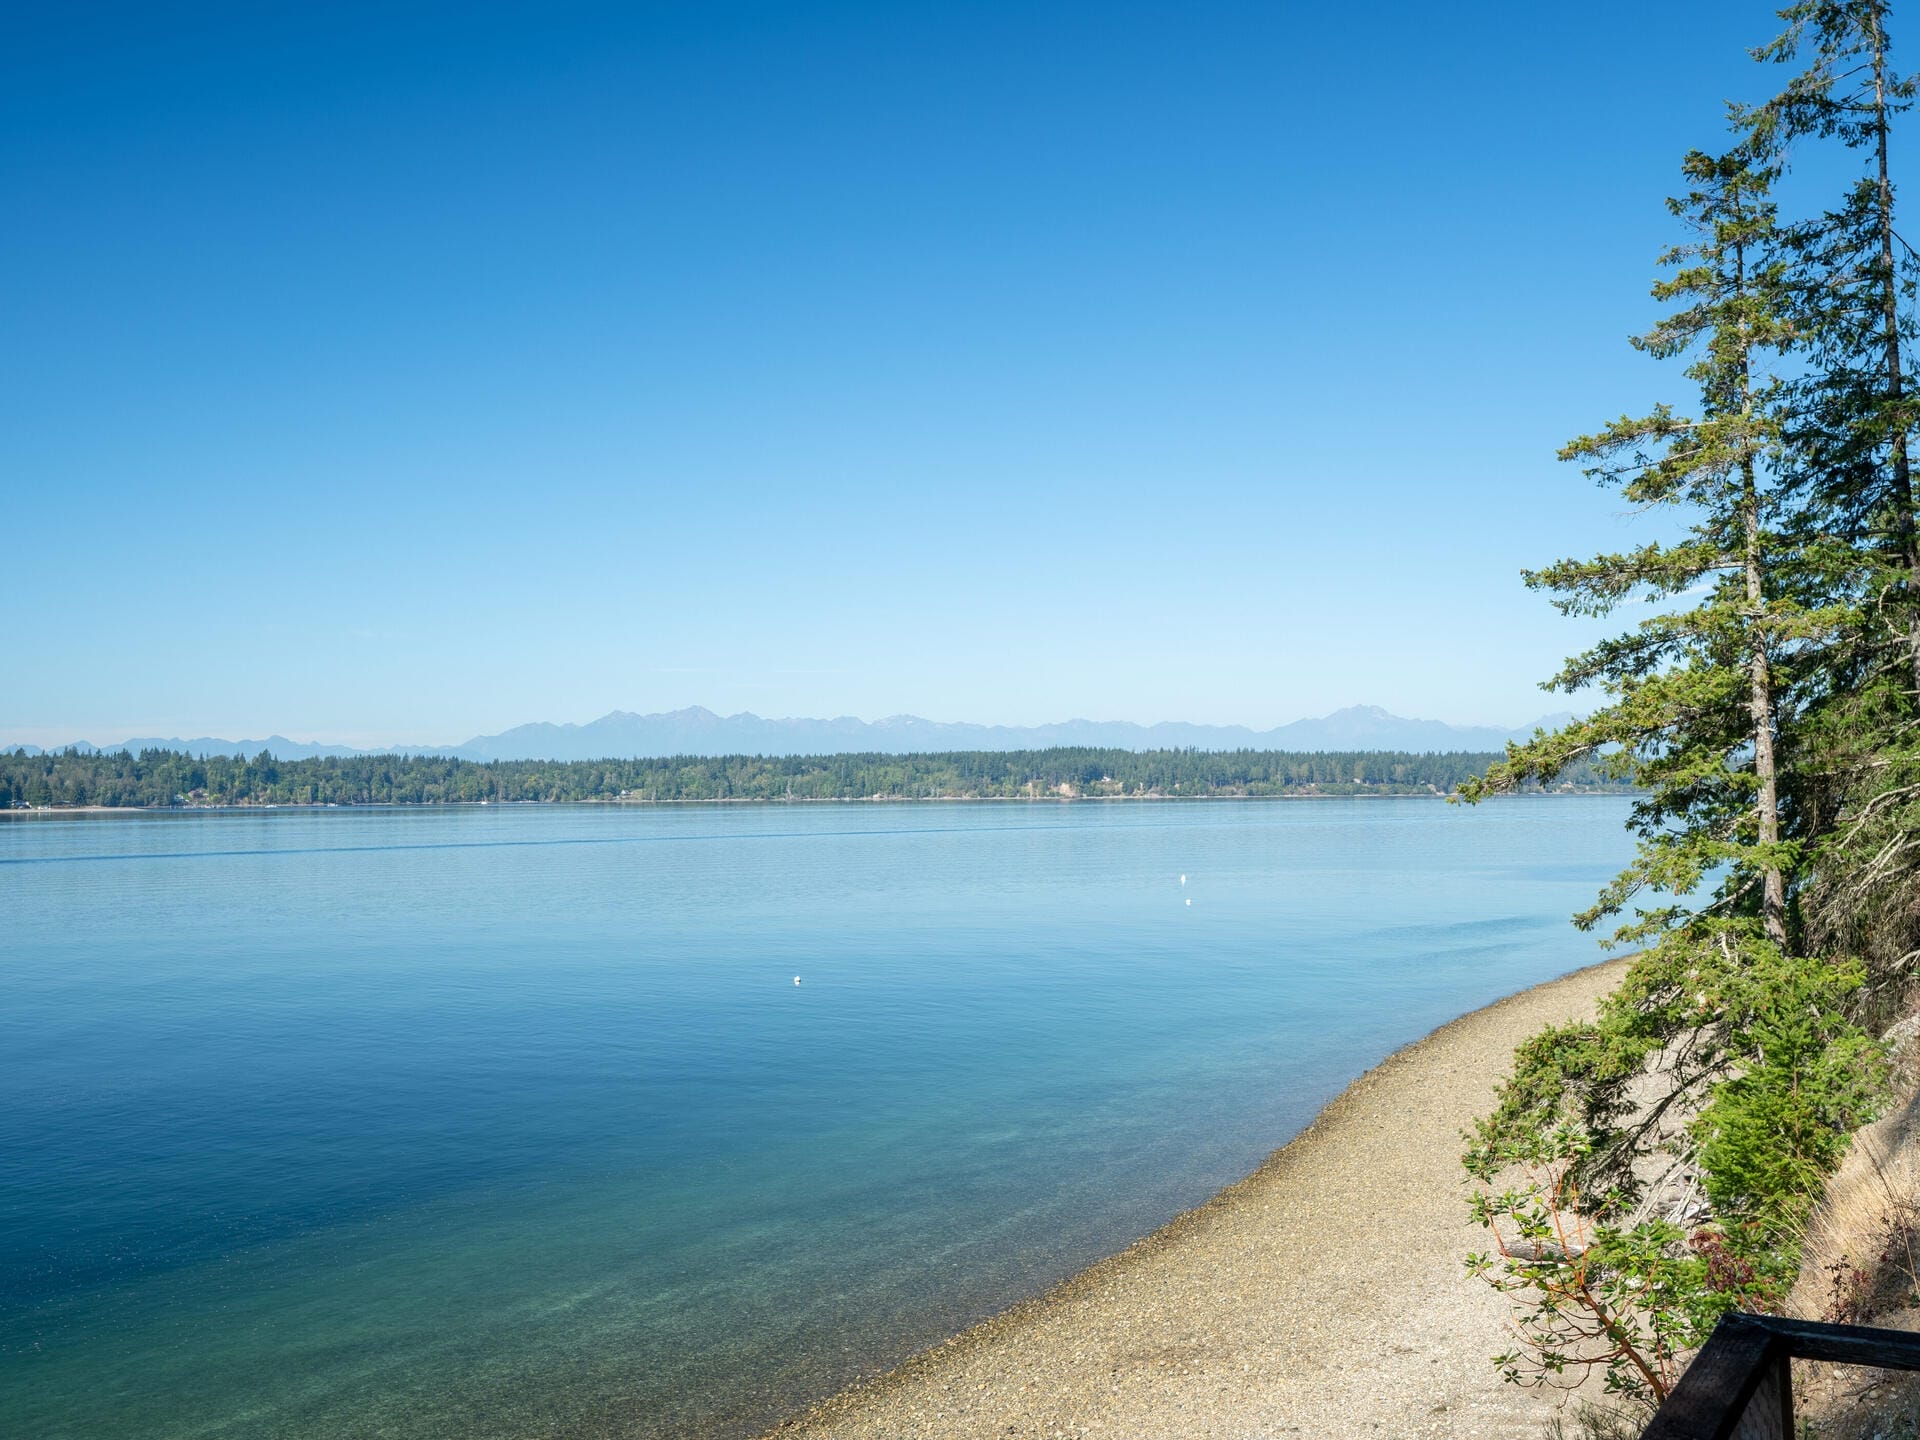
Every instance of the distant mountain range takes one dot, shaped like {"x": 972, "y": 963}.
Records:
{"x": 622, "y": 734}
{"x": 279, "y": 746}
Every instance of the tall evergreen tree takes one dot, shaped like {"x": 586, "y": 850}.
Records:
{"x": 1725, "y": 1066}
{"x": 1773, "y": 719}
{"x": 1695, "y": 697}
{"x": 1850, "y": 454}
{"x": 1858, "y": 405}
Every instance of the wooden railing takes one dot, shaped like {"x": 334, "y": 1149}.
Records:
{"x": 1740, "y": 1385}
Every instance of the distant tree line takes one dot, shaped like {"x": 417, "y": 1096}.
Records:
{"x": 161, "y": 778}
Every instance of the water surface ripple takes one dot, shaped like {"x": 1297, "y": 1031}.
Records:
{"x": 512, "y": 1122}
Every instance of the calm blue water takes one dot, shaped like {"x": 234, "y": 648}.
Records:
{"x": 513, "y": 1122}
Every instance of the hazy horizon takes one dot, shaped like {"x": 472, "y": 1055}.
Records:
{"x": 114, "y": 735}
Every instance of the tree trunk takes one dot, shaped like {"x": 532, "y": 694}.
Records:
{"x": 1905, "y": 543}
{"x": 1773, "y": 903}
{"x": 1773, "y": 899}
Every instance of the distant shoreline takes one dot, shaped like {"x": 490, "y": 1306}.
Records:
{"x": 620, "y": 804}
{"x": 173, "y": 780}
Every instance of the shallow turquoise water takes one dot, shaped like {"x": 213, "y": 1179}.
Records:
{"x": 513, "y": 1122}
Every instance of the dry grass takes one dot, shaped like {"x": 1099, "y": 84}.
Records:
{"x": 1862, "y": 1267}
{"x": 1864, "y": 1239}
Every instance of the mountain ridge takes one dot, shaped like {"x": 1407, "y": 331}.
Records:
{"x": 696, "y": 730}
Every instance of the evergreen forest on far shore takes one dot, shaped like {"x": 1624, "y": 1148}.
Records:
{"x": 171, "y": 779}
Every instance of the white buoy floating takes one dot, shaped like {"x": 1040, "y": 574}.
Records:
{"x": 796, "y": 979}
{"x": 1189, "y": 901}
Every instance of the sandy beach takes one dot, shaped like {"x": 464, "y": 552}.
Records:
{"x": 1322, "y": 1295}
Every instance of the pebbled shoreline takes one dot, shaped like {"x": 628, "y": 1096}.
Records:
{"x": 1322, "y": 1295}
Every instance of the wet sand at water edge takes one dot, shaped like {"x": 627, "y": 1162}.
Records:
{"x": 1325, "y": 1294}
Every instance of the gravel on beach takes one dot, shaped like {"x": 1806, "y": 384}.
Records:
{"x": 1324, "y": 1295}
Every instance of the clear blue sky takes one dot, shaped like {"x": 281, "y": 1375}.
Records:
{"x": 406, "y": 371}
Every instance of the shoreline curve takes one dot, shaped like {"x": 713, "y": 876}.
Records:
{"x": 1324, "y": 1294}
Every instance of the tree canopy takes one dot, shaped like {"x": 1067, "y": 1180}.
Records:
{"x": 1647, "y": 1170}
{"x": 167, "y": 778}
